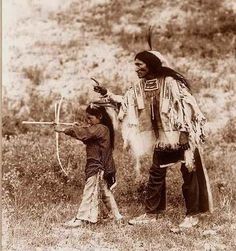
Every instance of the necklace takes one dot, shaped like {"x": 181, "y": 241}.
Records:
{"x": 151, "y": 85}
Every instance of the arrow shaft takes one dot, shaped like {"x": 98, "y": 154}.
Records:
{"x": 45, "y": 123}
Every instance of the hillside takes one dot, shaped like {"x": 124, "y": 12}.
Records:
{"x": 57, "y": 47}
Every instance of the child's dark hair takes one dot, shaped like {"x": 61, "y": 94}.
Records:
{"x": 100, "y": 112}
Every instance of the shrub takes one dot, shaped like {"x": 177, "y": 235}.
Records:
{"x": 34, "y": 73}
{"x": 229, "y": 131}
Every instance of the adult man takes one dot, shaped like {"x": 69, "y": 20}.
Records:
{"x": 162, "y": 102}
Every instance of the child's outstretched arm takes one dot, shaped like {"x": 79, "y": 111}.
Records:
{"x": 62, "y": 129}
{"x": 80, "y": 132}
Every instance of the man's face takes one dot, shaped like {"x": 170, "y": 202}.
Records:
{"x": 141, "y": 68}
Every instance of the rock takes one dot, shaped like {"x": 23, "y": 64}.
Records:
{"x": 209, "y": 232}
{"x": 175, "y": 230}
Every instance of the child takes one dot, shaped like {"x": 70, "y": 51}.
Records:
{"x": 100, "y": 168}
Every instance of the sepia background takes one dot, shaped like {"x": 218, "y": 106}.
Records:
{"x": 52, "y": 49}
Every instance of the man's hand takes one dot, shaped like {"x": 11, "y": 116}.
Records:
{"x": 100, "y": 89}
{"x": 121, "y": 115}
{"x": 183, "y": 138}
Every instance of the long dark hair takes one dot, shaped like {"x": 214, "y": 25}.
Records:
{"x": 154, "y": 64}
{"x": 101, "y": 113}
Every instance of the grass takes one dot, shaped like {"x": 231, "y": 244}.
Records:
{"x": 35, "y": 223}
{"x": 46, "y": 233}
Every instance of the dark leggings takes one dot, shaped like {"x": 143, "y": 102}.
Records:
{"x": 156, "y": 188}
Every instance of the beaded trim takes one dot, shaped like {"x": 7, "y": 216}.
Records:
{"x": 151, "y": 85}
{"x": 170, "y": 148}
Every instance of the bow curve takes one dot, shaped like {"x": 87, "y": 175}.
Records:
{"x": 57, "y": 120}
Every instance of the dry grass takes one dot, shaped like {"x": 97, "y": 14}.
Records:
{"x": 215, "y": 232}
{"x": 31, "y": 224}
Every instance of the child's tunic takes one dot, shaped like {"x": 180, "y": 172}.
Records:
{"x": 98, "y": 148}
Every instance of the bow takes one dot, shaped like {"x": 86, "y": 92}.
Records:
{"x": 57, "y": 120}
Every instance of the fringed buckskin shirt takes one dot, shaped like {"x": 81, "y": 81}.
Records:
{"x": 166, "y": 107}
{"x": 174, "y": 110}
{"x": 98, "y": 149}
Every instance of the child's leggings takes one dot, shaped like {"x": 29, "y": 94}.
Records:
{"x": 95, "y": 188}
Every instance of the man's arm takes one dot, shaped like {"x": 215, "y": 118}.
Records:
{"x": 107, "y": 94}
{"x": 114, "y": 97}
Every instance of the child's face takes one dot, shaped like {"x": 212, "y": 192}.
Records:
{"x": 92, "y": 120}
